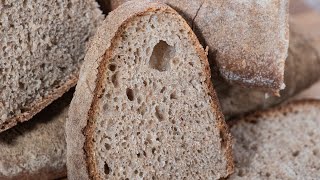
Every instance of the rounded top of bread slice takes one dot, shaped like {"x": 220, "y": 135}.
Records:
{"x": 280, "y": 143}
{"x": 131, "y": 116}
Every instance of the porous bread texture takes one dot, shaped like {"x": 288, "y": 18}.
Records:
{"x": 301, "y": 69}
{"x": 42, "y": 45}
{"x": 281, "y": 143}
{"x": 248, "y": 40}
{"x": 144, "y": 106}
{"x": 36, "y": 149}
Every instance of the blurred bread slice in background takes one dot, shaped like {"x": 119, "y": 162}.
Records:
{"x": 36, "y": 149}
{"x": 279, "y": 143}
{"x": 301, "y": 70}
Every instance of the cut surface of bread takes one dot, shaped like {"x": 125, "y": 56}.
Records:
{"x": 36, "y": 149}
{"x": 144, "y": 106}
{"x": 42, "y": 45}
{"x": 248, "y": 40}
{"x": 281, "y": 143}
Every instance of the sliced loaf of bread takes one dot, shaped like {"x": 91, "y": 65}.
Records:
{"x": 247, "y": 39}
{"x": 36, "y": 149}
{"x": 42, "y": 44}
{"x": 281, "y": 143}
{"x": 144, "y": 106}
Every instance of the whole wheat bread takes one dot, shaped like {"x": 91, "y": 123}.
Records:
{"x": 281, "y": 143}
{"x": 42, "y": 45}
{"x": 36, "y": 149}
{"x": 144, "y": 106}
{"x": 248, "y": 39}
{"x": 301, "y": 71}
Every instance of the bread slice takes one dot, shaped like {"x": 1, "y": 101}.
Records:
{"x": 311, "y": 93}
{"x": 42, "y": 45}
{"x": 301, "y": 70}
{"x": 281, "y": 143}
{"x": 144, "y": 106}
{"x": 36, "y": 149}
{"x": 248, "y": 40}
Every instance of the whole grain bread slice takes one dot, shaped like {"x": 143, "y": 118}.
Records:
{"x": 42, "y": 45}
{"x": 248, "y": 40}
{"x": 280, "y": 143}
{"x": 36, "y": 149}
{"x": 144, "y": 106}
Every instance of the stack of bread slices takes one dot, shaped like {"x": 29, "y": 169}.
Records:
{"x": 165, "y": 89}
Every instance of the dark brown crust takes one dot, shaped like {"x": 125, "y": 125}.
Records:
{"x": 285, "y": 108}
{"x": 43, "y": 173}
{"x": 37, "y": 106}
{"x": 89, "y": 129}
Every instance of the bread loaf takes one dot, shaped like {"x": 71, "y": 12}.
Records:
{"x": 281, "y": 143}
{"x": 144, "y": 106}
{"x": 36, "y": 149}
{"x": 301, "y": 71}
{"x": 248, "y": 40}
{"x": 42, "y": 45}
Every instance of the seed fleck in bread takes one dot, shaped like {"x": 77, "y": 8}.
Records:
{"x": 144, "y": 106}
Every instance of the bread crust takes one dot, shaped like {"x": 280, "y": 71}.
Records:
{"x": 241, "y": 43}
{"x": 80, "y": 125}
{"x": 301, "y": 70}
{"x": 282, "y": 109}
{"x": 37, "y": 106}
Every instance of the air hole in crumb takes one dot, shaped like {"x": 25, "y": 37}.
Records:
{"x": 184, "y": 92}
{"x": 191, "y": 64}
{"x": 159, "y": 113}
{"x": 138, "y": 155}
{"x": 240, "y": 173}
{"x": 21, "y": 85}
{"x": 142, "y": 109}
{"x": 315, "y": 152}
{"x": 173, "y": 95}
{"x": 141, "y": 174}
{"x": 153, "y": 150}
{"x": 163, "y": 89}
{"x": 268, "y": 174}
{"x": 105, "y": 107}
{"x": 107, "y": 146}
{"x": 107, "y": 169}
{"x": 115, "y": 79}
{"x": 161, "y": 56}
{"x": 136, "y": 171}
{"x": 145, "y": 83}
{"x": 295, "y": 154}
{"x": 130, "y": 94}
{"x": 112, "y": 67}
{"x": 139, "y": 99}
